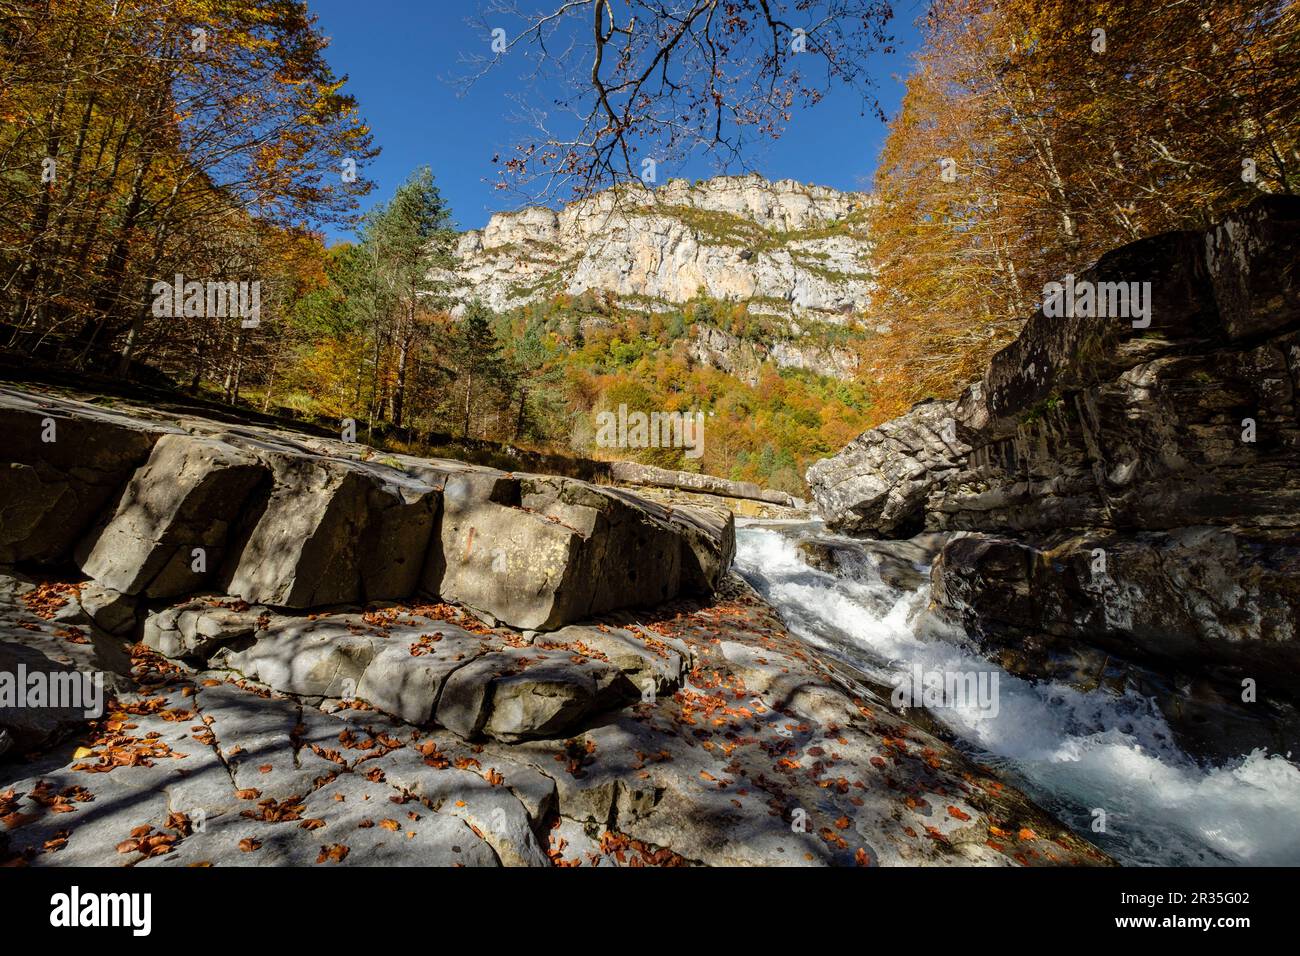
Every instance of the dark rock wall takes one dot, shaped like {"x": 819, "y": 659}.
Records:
{"x": 1131, "y": 485}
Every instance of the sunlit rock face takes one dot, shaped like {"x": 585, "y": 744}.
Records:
{"x": 790, "y": 249}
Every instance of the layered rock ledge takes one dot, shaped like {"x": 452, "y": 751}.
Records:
{"x": 159, "y": 506}
{"x": 314, "y": 656}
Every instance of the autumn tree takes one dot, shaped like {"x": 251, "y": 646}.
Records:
{"x": 1034, "y": 136}
{"x": 145, "y": 139}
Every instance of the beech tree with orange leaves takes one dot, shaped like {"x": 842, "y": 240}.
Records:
{"x": 145, "y": 139}
{"x": 1036, "y": 135}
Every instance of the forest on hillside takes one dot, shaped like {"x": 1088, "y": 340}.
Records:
{"x": 1065, "y": 129}
{"x": 144, "y": 141}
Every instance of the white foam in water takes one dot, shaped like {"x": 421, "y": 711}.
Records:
{"x": 1073, "y": 751}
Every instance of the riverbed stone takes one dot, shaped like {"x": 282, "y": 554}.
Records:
{"x": 61, "y": 465}
{"x": 184, "y": 499}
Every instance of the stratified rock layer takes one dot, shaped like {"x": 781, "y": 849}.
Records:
{"x": 787, "y": 245}
{"x": 1134, "y": 485}
{"x": 162, "y": 507}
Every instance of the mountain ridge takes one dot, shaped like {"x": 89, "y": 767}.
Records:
{"x": 788, "y": 249}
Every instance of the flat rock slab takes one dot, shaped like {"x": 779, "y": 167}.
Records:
{"x": 188, "y": 770}
{"x": 350, "y": 821}
{"x": 763, "y": 754}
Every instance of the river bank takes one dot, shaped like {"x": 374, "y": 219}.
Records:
{"x": 397, "y": 661}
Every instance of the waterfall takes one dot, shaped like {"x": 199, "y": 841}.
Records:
{"x": 1093, "y": 758}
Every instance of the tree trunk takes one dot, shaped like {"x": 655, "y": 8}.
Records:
{"x": 519, "y": 421}
{"x": 33, "y": 268}
{"x": 469, "y": 389}
{"x": 110, "y": 287}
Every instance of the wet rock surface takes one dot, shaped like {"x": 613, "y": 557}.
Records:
{"x": 1200, "y": 620}
{"x": 899, "y": 564}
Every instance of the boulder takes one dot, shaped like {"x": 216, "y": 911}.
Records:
{"x": 538, "y": 553}
{"x": 900, "y": 564}
{"x": 331, "y": 532}
{"x": 185, "y": 497}
{"x": 195, "y": 630}
{"x": 409, "y": 687}
{"x": 320, "y": 658}
{"x": 111, "y": 611}
{"x": 521, "y": 694}
{"x": 518, "y": 566}
{"x": 651, "y": 664}
{"x": 91, "y": 604}
{"x": 61, "y": 465}
{"x": 879, "y": 482}
{"x": 677, "y": 549}
{"x": 709, "y": 544}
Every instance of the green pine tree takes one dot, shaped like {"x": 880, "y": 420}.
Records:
{"x": 485, "y": 377}
{"x": 407, "y": 239}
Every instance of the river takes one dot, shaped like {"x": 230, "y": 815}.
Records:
{"x": 1075, "y": 752}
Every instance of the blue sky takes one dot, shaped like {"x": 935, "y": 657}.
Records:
{"x": 403, "y": 56}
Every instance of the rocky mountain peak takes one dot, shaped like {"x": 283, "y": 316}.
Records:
{"x": 786, "y": 248}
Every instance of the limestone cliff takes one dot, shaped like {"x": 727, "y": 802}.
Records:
{"x": 790, "y": 251}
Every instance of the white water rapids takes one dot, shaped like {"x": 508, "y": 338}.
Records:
{"x": 1071, "y": 751}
